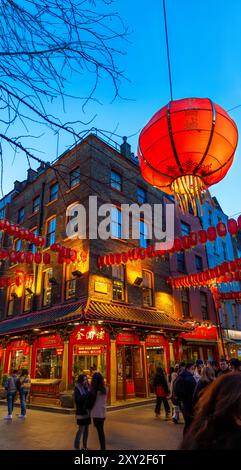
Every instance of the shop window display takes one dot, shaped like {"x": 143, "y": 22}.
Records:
{"x": 19, "y": 360}
{"x": 49, "y": 364}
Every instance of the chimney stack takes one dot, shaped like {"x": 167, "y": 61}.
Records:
{"x": 125, "y": 148}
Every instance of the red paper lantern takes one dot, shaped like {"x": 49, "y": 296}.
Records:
{"x": 3, "y": 254}
{"x": 211, "y": 234}
{"x": 38, "y": 258}
{"x": 221, "y": 229}
{"x": 178, "y": 244}
{"x": 21, "y": 257}
{"x": 2, "y": 224}
{"x": 202, "y": 236}
{"x": 186, "y": 147}
{"x": 13, "y": 256}
{"x": 29, "y": 258}
{"x": 239, "y": 222}
{"x": 46, "y": 258}
{"x": 21, "y": 234}
{"x": 186, "y": 242}
{"x": 193, "y": 239}
{"x": 232, "y": 227}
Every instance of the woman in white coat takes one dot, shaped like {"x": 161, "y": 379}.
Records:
{"x": 98, "y": 411}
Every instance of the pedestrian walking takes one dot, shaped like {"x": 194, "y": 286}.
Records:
{"x": 207, "y": 377}
{"x": 11, "y": 389}
{"x": 98, "y": 393}
{"x": 215, "y": 366}
{"x": 183, "y": 390}
{"x": 176, "y": 409}
{"x": 198, "y": 369}
{"x": 161, "y": 391}
{"x": 217, "y": 422}
{"x": 23, "y": 385}
{"x": 235, "y": 365}
{"x": 81, "y": 394}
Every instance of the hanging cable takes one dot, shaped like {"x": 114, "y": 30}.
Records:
{"x": 167, "y": 46}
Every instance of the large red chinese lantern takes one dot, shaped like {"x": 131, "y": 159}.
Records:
{"x": 187, "y": 147}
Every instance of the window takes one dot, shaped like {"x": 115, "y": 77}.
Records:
{"x": 143, "y": 234}
{"x": 225, "y": 315}
{"x": 204, "y": 305}
{"x": 54, "y": 191}
{"x": 147, "y": 294}
{"x": 116, "y": 219}
{"x": 36, "y": 204}
{"x": 118, "y": 285}
{"x": 47, "y": 287}
{"x": 181, "y": 263}
{"x": 17, "y": 245}
{"x": 141, "y": 195}
{"x": 49, "y": 363}
{"x": 31, "y": 246}
{"x": 185, "y": 228}
{"x": 70, "y": 283}
{"x": 28, "y": 298}
{"x": 185, "y": 303}
{"x": 209, "y": 218}
{"x": 199, "y": 263}
{"x": 116, "y": 180}
{"x": 74, "y": 177}
{"x": 11, "y": 299}
{"x": 235, "y": 317}
{"x": 21, "y": 215}
{"x": 225, "y": 256}
{"x": 50, "y": 232}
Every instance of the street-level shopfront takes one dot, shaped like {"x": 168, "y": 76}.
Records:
{"x": 200, "y": 343}
{"x": 55, "y": 362}
{"x": 232, "y": 341}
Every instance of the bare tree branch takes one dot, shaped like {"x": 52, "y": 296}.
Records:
{"x": 44, "y": 45}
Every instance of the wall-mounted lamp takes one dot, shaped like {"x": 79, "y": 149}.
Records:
{"x": 14, "y": 295}
{"x": 77, "y": 273}
{"x": 29, "y": 290}
{"x": 138, "y": 281}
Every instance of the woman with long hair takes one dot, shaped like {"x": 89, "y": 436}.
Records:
{"x": 98, "y": 411}
{"x": 217, "y": 421}
{"x": 81, "y": 393}
{"x": 207, "y": 377}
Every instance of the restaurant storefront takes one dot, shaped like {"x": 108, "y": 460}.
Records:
{"x": 201, "y": 343}
{"x": 232, "y": 340}
{"x": 157, "y": 355}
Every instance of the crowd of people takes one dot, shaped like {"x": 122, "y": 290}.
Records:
{"x": 208, "y": 395}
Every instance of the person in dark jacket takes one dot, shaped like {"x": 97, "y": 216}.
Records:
{"x": 224, "y": 367}
{"x": 161, "y": 391}
{"x": 188, "y": 384}
{"x": 81, "y": 393}
{"x": 217, "y": 422}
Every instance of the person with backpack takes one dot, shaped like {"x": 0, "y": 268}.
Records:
{"x": 161, "y": 391}
{"x": 183, "y": 390}
{"x": 23, "y": 385}
{"x": 11, "y": 388}
{"x": 81, "y": 394}
{"x": 98, "y": 401}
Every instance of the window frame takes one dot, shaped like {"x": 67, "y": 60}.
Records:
{"x": 21, "y": 217}
{"x": 185, "y": 228}
{"x": 53, "y": 196}
{"x": 198, "y": 259}
{"x": 114, "y": 183}
{"x": 118, "y": 283}
{"x": 147, "y": 289}
{"x": 117, "y": 223}
{"x": 46, "y": 289}
{"x": 203, "y": 295}
{"x": 139, "y": 198}
{"x": 37, "y": 208}
{"x": 50, "y": 241}
{"x": 72, "y": 180}
{"x": 185, "y": 299}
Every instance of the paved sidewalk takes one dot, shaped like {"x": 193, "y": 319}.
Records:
{"x": 130, "y": 429}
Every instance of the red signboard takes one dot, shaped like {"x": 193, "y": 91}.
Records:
{"x": 48, "y": 342}
{"x": 155, "y": 340}
{"x": 127, "y": 338}
{"x": 202, "y": 332}
{"x": 19, "y": 345}
{"x": 89, "y": 334}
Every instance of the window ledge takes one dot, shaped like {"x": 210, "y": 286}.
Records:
{"x": 51, "y": 202}
{"x": 71, "y": 189}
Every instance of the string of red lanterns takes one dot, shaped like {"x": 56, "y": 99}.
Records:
{"x": 185, "y": 243}
{"x": 21, "y": 233}
{"x": 25, "y": 257}
{"x": 65, "y": 255}
{"x": 19, "y": 279}
{"x": 223, "y": 273}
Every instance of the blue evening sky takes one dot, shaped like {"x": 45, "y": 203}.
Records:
{"x": 205, "y": 49}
